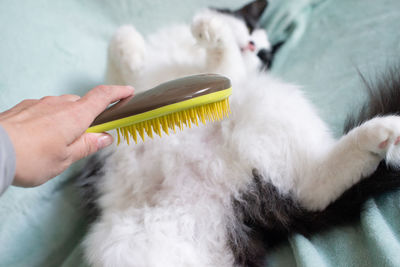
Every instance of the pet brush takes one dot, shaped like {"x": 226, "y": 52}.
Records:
{"x": 170, "y": 105}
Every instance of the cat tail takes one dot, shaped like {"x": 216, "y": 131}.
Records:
{"x": 383, "y": 98}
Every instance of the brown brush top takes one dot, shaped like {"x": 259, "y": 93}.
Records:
{"x": 164, "y": 94}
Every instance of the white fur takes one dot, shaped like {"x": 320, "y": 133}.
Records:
{"x": 167, "y": 202}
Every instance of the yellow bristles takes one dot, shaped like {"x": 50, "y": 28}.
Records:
{"x": 140, "y": 129}
{"x": 209, "y": 112}
{"x": 132, "y": 129}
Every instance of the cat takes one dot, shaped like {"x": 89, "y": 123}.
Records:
{"x": 223, "y": 194}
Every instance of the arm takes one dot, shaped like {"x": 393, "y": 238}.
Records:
{"x": 48, "y": 135}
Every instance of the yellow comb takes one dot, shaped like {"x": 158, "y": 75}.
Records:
{"x": 174, "y": 104}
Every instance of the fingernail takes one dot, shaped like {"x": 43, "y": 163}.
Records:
{"x": 104, "y": 140}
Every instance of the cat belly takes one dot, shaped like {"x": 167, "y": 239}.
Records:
{"x": 170, "y": 196}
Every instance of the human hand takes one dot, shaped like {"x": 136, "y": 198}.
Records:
{"x": 49, "y": 134}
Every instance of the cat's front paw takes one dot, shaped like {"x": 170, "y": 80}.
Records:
{"x": 210, "y": 31}
{"x": 381, "y": 136}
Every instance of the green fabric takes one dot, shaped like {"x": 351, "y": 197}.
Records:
{"x": 327, "y": 41}
{"x": 52, "y": 47}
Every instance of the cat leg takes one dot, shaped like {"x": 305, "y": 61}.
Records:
{"x": 126, "y": 56}
{"x": 222, "y": 51}
{"x": 354, "y": 156}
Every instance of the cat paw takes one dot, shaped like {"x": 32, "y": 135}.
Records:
{"x": 127, "y": 49}
{"x": 381, "y": 136}
{"x": 210, "y": 31}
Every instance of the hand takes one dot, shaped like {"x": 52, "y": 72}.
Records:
{"x": 49, "y": 134}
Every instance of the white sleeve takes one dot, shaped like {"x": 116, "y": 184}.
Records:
{"x": 7, "y": 161}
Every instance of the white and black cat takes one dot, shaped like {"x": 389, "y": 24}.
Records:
{"x": 222, "y": 194}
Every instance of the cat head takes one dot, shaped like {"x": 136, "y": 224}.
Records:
{"x": 252, "y": 40}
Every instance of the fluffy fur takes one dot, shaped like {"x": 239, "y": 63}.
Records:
{"x": 221, "y": 194}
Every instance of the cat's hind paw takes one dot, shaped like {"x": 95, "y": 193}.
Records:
{"x": 127, "y": 50}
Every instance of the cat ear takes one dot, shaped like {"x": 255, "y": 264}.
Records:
{"x": 252, "y": 12}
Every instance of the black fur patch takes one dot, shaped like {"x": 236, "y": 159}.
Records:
{"x": 250, "y": 13}
{"x": 87, "y": 186}
{"x": 264, "y": 217}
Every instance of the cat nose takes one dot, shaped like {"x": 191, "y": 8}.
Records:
{"x": 265, "y": 56}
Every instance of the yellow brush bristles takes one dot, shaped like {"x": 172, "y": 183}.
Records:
{"x": 209, "y": 112}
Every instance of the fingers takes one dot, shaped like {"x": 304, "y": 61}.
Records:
{"x": 100, "y": 97}
{"x": 71, "y": 98}
{"x": 17, "y": 108}
{"x": 26, "y": 103}
{"x": 88, "y": 144}
{"x": 60, "y": 99}
{"x": 30, "y": 102}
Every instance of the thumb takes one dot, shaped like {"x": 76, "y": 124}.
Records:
{"x": 89, "y": 143}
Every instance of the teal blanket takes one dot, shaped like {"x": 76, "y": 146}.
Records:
{"x": 51, "y": 47}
